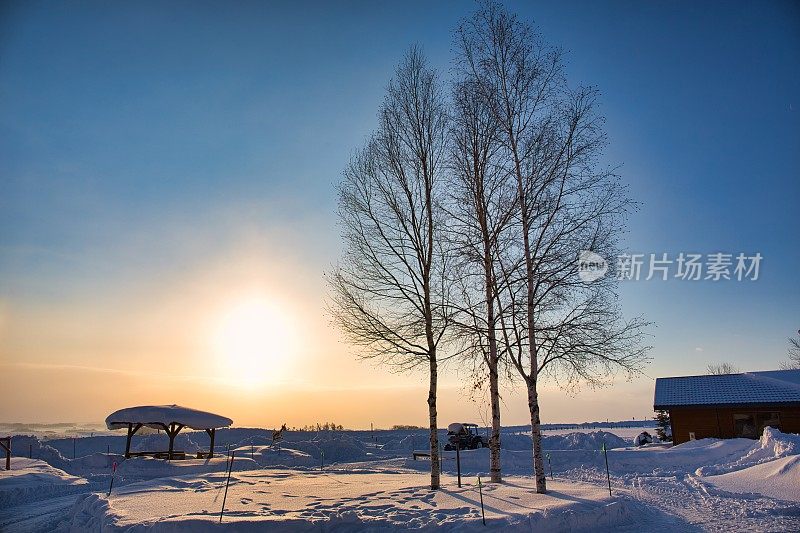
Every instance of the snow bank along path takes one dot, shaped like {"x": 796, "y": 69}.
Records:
{"x": 33, "y": 479}
{"x": 778, "y": 479}
{"x": 771, "y": 468}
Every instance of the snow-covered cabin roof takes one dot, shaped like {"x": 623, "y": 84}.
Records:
{"x": 158, "y": 416}
{"x": 751, "y": 388}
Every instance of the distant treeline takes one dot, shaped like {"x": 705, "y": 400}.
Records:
{"x": 331, "y": 426}
{"x": 612, "y": 424}
{"x": 327, "y": 426}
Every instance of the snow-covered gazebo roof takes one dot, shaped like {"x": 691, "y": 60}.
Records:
{"x": 161, "y": 416}
{"x": 171, "y": 418}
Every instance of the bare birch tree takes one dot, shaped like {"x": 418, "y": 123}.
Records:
{"x": 551, "y": 138}
{"x": 389, "y": 293}
{"x": 482, "y": 205}
{"x": 794, "y": 354}
{"x": 719, "y": 369}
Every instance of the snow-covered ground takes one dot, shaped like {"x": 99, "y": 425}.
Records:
{"x": 297, "y": 500}
{"x": 360, "y": 480}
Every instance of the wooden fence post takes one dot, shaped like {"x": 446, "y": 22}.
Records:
{"x": 5, "y": 444}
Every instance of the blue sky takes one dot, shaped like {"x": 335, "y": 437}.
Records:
{"x": 141, "y": 142}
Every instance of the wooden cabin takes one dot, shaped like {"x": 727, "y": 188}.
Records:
{"x": 730, "y": 405}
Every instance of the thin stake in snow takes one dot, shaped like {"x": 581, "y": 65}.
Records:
{"x": 550, "y": 465}
{"x": 480, "y": 491}
{"x": 322, "y": 460}
{"x": 608, "y": 476}
{"x": 113, "y": 472}
{"x": 458, "y": 463}
{"x": 228, "y": 482}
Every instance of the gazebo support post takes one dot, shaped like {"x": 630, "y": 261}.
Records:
{"x": 211, "y": 433}
{"x": 172, "y": 432}
{"x": 132, "y": 429}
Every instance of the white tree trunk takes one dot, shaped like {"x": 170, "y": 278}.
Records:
{"x": 533, "y": 395}
{"x": 494, "y": 388}
{"x": 536, "y": 436}
{"x": 434, "y": 438}
{"x": 494, "y": 440}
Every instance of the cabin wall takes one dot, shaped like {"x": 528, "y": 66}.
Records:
{"x": 707, "y": 422}
{"x": 790, "y": 420}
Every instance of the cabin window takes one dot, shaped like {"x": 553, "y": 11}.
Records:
{"x": 745, "y": 425}
{"x": 751, "y": 425}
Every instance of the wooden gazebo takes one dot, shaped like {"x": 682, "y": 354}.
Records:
{"x": 172, "y": 419}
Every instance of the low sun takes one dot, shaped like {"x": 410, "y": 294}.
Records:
{"x": 253, "y": 342}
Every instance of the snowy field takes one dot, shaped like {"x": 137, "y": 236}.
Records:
{"x": 357, "y": 480}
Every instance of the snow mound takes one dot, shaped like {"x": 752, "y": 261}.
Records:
{"x": 23, "y": 445}
{"x": 407, "y": 444}
{"x": 772, "y": 445}
{"x": 584, "y": 441}
{"x": 85, "y": 466}
{"x": 570, "y": 441}
{"x": 91, "y": 512}
{"x": 275, "y": 456}
{"x": 779, "y": 479}
{"x": 160, "y": 442}
{"x": 33, "y": 480}
{"x": 335, "y": 447}
{"x": 137, "y": 469}
{"x": 96, "y": 464}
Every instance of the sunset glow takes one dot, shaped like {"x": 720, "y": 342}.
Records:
{"x": 169, "y": 204}
{"x": 253, "y": 342}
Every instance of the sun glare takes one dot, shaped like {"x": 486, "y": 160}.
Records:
{"x": 254, "y": 342}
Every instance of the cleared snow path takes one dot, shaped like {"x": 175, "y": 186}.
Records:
{"x": 699, "y": 506}
{"x": 45, "y": 515}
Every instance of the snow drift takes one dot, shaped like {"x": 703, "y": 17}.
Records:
{"x": 32, "y": 480}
